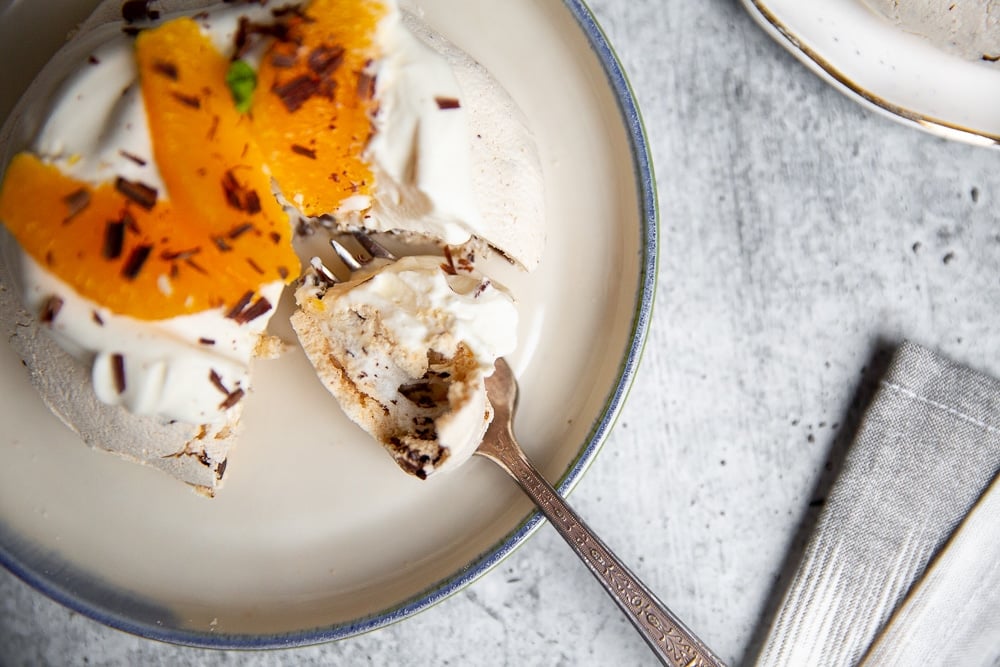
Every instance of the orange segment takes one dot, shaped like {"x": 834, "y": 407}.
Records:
{"x": 312, "y": 107}
{"x": 211, "y": 166}
{"x": 215, "y": 235}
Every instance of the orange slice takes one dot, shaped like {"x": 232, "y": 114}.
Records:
{"x": 313, "y": 104}
{"x": 216, "y": 235}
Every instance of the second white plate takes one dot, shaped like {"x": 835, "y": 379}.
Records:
{"x": 886, "y": 68}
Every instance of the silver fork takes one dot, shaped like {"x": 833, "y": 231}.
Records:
{"x": 672, "y": 642}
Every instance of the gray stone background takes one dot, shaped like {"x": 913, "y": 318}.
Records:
{"x": 803, "y": 237}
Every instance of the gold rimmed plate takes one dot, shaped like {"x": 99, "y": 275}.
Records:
{"x": 885, "y": 68}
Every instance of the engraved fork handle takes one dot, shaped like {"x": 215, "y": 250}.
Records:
{"x": 669, "y": 639}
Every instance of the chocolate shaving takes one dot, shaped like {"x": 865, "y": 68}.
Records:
{"x": 197, "y": 267}
{"x": 259, "y": 307}
{"x": 366, "y": 85}
{"x": 206, "y": 341}
{"x": 213, "y": 129}
{"x": 167, "y": 69}
{"x": 424, "y": 428}
{"x": 216, "y": 380}
{"x": 114, "y": 239}
{"x": 221, "y": 244}
{"x": 171, "y": 256}
{"x": 294, "y": 93}
{"x": 447, "y": 103}
{"x": 187, "y": 100}
{"x": 92, "y": 59}
{"x": 220, "y": 470}
{"x": 239, "y": 196}
{"x": 135, "y": 261}
{"x": 449, "y": 268}
{"x": 291, "y": 10}
{"x": 76, "y": 201}
{"x": 118, "y": 372}
{"x": 50, "y": 309}
{"x": 283, "y": 60}
{"x": 255, "y": 266}
{"x": 481, "y": 288}
{"x": 466, "y": 263}
{"x": 324, "y": 60}
{"x": 247, "y": 29}
{"x": 302, "y": 150}
{"x": 240, "y": 230}
{"x": 130, "y": 223}
{"x": 283, "y": 272}
{"x": 138, "y": 10}
{"x": 303, "y": 228}
{"x": 236, "y": 310}
{"x": 410, "y": 467}
{"x": 252, "y": 202}
{"x": 419, "y": 395}
{"x": 231, "y": 400}
{"x": 135, "y": 158}
{"x": 276, "y": 237}
{"x": 138, "y": 192}
{"x": 97, "y": 318}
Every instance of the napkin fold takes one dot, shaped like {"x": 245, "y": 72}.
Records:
{"x": 903, "y": 567}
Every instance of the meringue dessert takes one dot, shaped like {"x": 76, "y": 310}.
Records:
{"x": 967, "y": 28}
{"x": 406, "y": 350}
{"x": 159, "y": 199}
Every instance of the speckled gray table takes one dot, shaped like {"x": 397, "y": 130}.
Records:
{"x": 803, "y": 237}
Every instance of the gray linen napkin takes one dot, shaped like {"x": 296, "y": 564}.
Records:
{"x": 903, "y": 567}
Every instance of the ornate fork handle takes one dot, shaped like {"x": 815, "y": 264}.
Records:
{"x": 669, "y": 639}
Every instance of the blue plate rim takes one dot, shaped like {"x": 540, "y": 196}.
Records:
{"x": 649, "y": 257}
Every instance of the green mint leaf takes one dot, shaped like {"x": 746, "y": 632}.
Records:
{"x": 242, "y": 81}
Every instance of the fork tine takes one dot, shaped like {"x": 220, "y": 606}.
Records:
{"x": 355, "y": 250}
{"x": 323, "y": 271}
{"x": 373, "y": 247}
{"x": 345, "y": 255}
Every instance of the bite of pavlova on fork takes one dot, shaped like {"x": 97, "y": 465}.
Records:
{"x": 165, "y": 179}
{"x": 405, "y": 348}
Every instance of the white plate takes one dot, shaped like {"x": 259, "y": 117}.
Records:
{"x": 886, "y": 68}
{"x": 317, "y": 535}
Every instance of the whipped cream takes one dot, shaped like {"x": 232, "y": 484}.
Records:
{"x": 192, "y": 368}
{"x": 420, "y": 150}
{"x": 453, "y": 156}
{"x": 424, "y": 308}
{"x": 189, "y": 368}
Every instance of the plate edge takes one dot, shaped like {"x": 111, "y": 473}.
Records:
{"x": 809, "y": 57}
